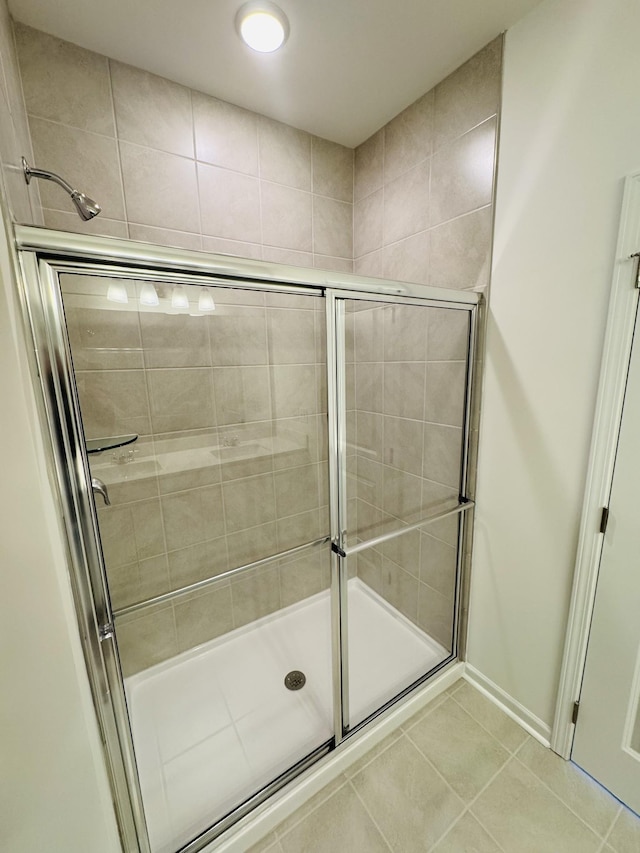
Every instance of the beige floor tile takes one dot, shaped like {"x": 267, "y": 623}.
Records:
{"x": 465, "y": 753}
{"x": 340, "y": 823}
{"x": 467, "y": 836}
{"x": 372, "y": 753}
{"x": 310, "y": 806}
{"x": 268, "y": 844}
{"x": 524, "y": 816}
{"x": 495, "y": 721}
{"x": 586, "y": 798}
{"x": 412, "y": 805}
{"x": 625, "y": 835}
{"x": 424, "y": 712}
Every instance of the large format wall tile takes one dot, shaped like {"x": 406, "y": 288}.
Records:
{"x": 462, "y": 174}
{"x": 332, "y": 169}
{"x": 226, "y": 135}
{"x": 151, "y": 110}
{"x": 369, "y": 166}
{"x": 408, "y": 137}
{"x": 229, "y": 204}
{"x": 64, "y": 82}
{"x": 286, "y": 217}
{"x": 332, "y": 227}
{"x": 406, "y": 204}
{"x": 469, "y": 95}
{"x": 368, "y": 227}
{"x": 285, "y": 154}
{"x": 160, "y": 189}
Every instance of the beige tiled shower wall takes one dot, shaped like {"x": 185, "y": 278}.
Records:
{"x": 23, "y": 202}
{"x": 424, "y": 182}
{"x": 177, "y": 167}
{"x": 423, "y": 195}
{"x": 173, "y": 166}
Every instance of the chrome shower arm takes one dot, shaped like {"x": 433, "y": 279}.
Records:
{"x": 32, "y": 172}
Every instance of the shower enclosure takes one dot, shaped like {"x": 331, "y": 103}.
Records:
{"x": 263, "y": 472}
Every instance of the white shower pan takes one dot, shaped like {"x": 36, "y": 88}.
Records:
{"x": 214, "y": 724}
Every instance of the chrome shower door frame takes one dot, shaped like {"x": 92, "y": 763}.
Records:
{"x": 43, "y": 255}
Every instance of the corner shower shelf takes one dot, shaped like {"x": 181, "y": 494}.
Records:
{"x": 97, "y": 445}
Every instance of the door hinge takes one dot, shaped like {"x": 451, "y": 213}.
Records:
{"x": 604, "y": 519}
{"x": 574, "y": 714}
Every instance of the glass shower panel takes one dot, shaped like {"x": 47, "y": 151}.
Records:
{"x": 406, "y": 381}
{"x": 204, "y": 411}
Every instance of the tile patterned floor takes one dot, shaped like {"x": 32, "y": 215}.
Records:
{"x": 459, "y": 777}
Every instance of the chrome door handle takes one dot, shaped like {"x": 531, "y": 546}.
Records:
{"x": 100, "y": 489}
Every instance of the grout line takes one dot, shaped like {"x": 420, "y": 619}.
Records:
{"x": 117, "y": 141}
{"x": 195, "y": 155}
{"x": 370, "y": 815}
{"x": 608, "y": 834}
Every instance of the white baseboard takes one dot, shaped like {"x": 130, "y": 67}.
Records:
{"x": 266, "y": 817}
{"x": 511, "y": 707}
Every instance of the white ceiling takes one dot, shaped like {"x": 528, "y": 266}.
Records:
{"x": 348, "y": 67}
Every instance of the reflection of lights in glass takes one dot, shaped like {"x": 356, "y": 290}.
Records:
{"x": 148, "y": 295}
{"x": 205, "y": 301}
{"x": 262, "y": 26}
{"x": 179, "y": 298}
{"x": 117, "y": 293}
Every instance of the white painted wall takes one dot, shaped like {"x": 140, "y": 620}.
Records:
{"x": 570, "y": 133}
{"x": 54, "y": 793}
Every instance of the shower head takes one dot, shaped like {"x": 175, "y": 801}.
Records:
{"x": 87, "y": 208}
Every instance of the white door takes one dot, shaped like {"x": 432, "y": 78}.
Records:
{"x": 607, "y": 739}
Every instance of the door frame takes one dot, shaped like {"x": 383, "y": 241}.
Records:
{"x": 623, "y": 306}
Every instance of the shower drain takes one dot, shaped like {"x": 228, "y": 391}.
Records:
{"x": 295, "y": 679}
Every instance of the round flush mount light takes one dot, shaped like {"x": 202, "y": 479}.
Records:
{"x": 262, "y": 26}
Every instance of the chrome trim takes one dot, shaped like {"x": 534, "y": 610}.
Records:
{"x": 464, "y": 462}
{"x": 160, "y": 275}
{"x": 341, "y": 468}
{"x": 441, "y": 300}
{"x": 394, "y": 534}
{"x": 465, "y": 532}
{"x": 338, "y": 613}
{"x": 59, "y": 407}
{"x": 110, "y": 249}
{"x": 213, "y": 579}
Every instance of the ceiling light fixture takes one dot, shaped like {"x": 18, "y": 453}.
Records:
{"x": 262, "y": 25}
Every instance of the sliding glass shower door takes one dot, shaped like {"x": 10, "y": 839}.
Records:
{"x": 402, "y": 370}
{"x": 264, "y": 495}
{"x": 204, "y": 413}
